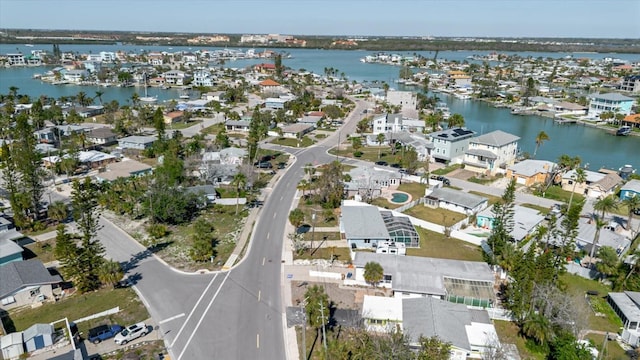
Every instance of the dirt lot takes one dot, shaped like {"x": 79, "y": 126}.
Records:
{"x": 461, "y": 174}
{"x": 343, "y": 297}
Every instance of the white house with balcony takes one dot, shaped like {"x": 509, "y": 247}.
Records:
{"x": 16, "y": 59}
{"x": 75, "y": 76}
{"x": 175, "y": 77}
{"x": 491, "y": 153}
{"x": 202, "y": 78}
{"x": 394, "y": 123}
{"x": 609, "y": 102}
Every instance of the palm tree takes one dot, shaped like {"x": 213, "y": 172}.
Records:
{"x": 380, "y": 140}
{"x": 110, "y": 273}
{"x": 537, "y": 327}
{"x": 455, "y": 120}
{"x": 632, "y": 203}
{"x": 57, "y": 211}
{"x": 373, "y": 273}
{"x": 83, "y": 99}
{"x": 303, "y": 185}
{"x": 239, "y": 180}
{"x": 600, "y": 223}
{"x": 542, "y": 137}
{"x": 605, "y": 205}
{"x": 578, "y": 177}
{"x": 99, "y": 94}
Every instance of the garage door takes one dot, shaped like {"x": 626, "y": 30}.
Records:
{"x": 521, "y": 181}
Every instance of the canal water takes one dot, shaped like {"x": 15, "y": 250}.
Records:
{"x": 595, "y": 147}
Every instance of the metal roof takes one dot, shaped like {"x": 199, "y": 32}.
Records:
{"x": 457, "y": 197}
{"x": 427, "y": 316}
{"x": 531, "y": 167}
{"x": 363, "y": 222}
{"x": 633, "y": 185}
{"x": 626, "y": 305}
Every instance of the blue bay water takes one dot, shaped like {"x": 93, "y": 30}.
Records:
{"x": 595, "y": 147}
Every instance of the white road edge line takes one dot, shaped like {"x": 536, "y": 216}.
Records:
{"x": 258, "y": 341}
{"x": 193, "y": 310}
{"x": 259, "y": 295}
{"x": 263, "y": 260}
{"x": 204, "y": 314}
{"x": 268, "y": 235}
{"x": 171, "y": 318}
{"x": 275, "y": 214}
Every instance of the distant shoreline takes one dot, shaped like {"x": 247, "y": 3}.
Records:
{"x": 366, "y": 43}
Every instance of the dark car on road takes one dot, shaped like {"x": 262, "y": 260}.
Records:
{"x": 382, "y": 163}
{"x": 444, "y": 180}
{"x": 103, "y": 332}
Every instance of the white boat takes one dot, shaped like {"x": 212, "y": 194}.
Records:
{"x": 623, "y": 131}
{"x": 462, "y": 96}
{"x": 28, "y": 45}
{"x": 146, "y": 98}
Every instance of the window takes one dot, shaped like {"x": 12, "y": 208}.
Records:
{"x": 8, "y": 300}
{"x": 367, "y": 241}
{"x": 34, "y": 292}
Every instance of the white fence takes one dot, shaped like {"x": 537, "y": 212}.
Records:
{"x": 115, "y": 310}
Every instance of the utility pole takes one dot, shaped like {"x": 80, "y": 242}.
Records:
{"x": 313, "y": 231}
{"x": 324, "y": 334}
{"x": 304, "y": 329}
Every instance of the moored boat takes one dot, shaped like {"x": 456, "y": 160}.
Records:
{"x": 623, "y": 131}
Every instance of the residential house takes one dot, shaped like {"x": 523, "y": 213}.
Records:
{"x": 382, "y": 314}
{"x": 491, "y": 153}
{"x": 202, "y": 78}
{"x": 632, "y": 120}
{"x": 407, "y": 100}
{"x": 189, "y": 57}
{"x": 12, "y": 345}
{"x": 136, "y": 142}
{"x": 627, "y": 306}
{"x": 176, "y": 77}
{"x": 465, "y": 282}
{"x": 459, "y": 79}
{"x": 38, "y": 336}
{"x": 417, "y": 141}
{"x": 270, "y": 86}
{"x": 16, "y": 59}
{"x": 9, "y": 251}
{"x": 75, "y": 76}
{"x": 296, "y": 131}
{"x": 107, "y": 56}
{"x": 24, "y": 283}
{"x": 530, "y": 172}
{"x": 173, "y": 117}
{"x": 596, "y": 185}
{"x": 102, "y": 136}
{"x": 155, "y": 58}
{"x": 265, "y": 68}
{"x": 394, "y": 123}
{"x": 123, "y": 169}
{"x": 311, "y": 120}
{"x": 368, "y": 182}
{"x": 232, "y": 156}
{"x": 207, "y": 193}
{"x": 631, "y": 84}
{"x": 525, "y": 221}
{"x": 450, "y": 145}
{"x": 237, "y": 125}
{"x": 608, "y": 236}
{"x": 274, "y": 103}
{"x": 470, "y": 331}
{"x": 365, "y": 226}
{"x": 630, "y": 189}
{"x": 68, "y": 130}
{"x": 609, "y": 102}
{"x": 45, "y": 136}
{"x": 455, "y": 200}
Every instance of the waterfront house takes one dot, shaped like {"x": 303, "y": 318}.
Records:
{"x": 609, "y": 102}
{"x": 265, "y": 68}
{"x": 491, "y": 153}
{"x": 25, "y": 283}
{"x": 631, "y": 84}
{"x": 525, "y": 221}
{"x": 596, "y": 184}
{"x": 630, "y": 189}
{"x": 632, "y": 120}
{"x": 450, "y": 145}
{"x": 175, "y": 77}
{"x": 16, "y": 60}
{"x": 202, "y": 78}
{"x": 76, "y": 75}
{"x": 627, "y": 306}
{"x": 136, "y": 142}
{"x": 102, "y": 136}
{"x": 530, "y": 172}
{"x": 155, "y": 59}
{"x": 407, "y": 100}
{"x": 455, "y": 200}
{"x": 458, "y": 79}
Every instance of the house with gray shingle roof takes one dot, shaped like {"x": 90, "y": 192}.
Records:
{"x": 491, "y": 153}
{"x": 455, "y": 200}
{"x": 25, "y": 283}
{"x": 627, "y": 306}
{"x": 530, "y": 172}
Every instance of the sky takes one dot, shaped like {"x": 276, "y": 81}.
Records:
{"x": 472, "y": 18}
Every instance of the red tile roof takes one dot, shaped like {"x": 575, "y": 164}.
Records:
{"x": 269, "y": 82}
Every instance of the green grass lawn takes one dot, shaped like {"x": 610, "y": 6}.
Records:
{"x": 613, "y": 351}
{"x": 384, "y": 203}
{"x": 446, "y": 170}
{"x": 508, "y": 333}
{"x": 322, "y": 220}
{"x": 437, "y": 216}
{"x": 556, "y": 193}
{"x": 543, "y": 210}
{"x": 437, "y": 245}
{"x": 370, "y": 154}
{"x": 579, "y": 285}
{"x": 78, "y": 306}
{"x": 415, "y": 189}
{"x": 304, "y": 142}
{"x": 43, "y": 250}
{"x": 492, "y": 199}
{"x": 319, "y": 236}
{"x": 183, "y": 125}
{"x": 213, "y": 129}
{"x": 481, "y": 180}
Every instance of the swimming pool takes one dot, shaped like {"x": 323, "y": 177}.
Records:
{"x": 399, "y": 198}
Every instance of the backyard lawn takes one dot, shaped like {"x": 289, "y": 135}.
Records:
{"x": 579, "y": 285}
{"x": 446, "y": 170}
{"x": 508, "y": 333}
{"x": 78, "y": 306}
{"x": 415, "y": 189}
{"x": 433, "y": 244}
{"x": 437, "y": 216}
{"x": 556, "y": 193}
{"x": 304, "y": 142}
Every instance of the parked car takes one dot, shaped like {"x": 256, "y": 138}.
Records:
{"x": 265, "y": 165}
{"x": 382, "y": 163}
{"x": 444, "y": 180}
{"x": 103, "y": 332}
{"x": 282, "y": 165}
{"x": 131, "y": 332}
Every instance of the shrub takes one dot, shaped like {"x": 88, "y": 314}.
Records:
{"x": 157, "y": 231}
{"x": 357, "y": 154}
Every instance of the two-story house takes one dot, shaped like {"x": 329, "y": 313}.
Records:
{"x": 175, "y": 77}
{"x": 450, "y": 145}
{"x": 394, "y": 123}
{"x": 631, "y": 84}
{"x": 609, "y": 102}
{"x": 202, "y": 78}
{"x": 407, "y": 100}
{"x": 491, "y": 153}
